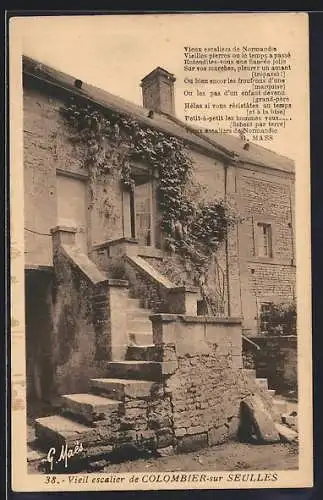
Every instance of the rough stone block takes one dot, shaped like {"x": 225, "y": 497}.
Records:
{"x": 256, "y": 418}
{"x": 167, "y": 352}
{"x": 139, "y": 440}
{"x": 165, "y": 437}
{"x": 134, "y": 418}
{"x": 197, "y": 429}
{"x": 99, "y": 451}
{"x": 179, "y": 432}
{"x": 113, "y": 425}
{"x": 134, "y": 403}
{"x": 158, "y": 421}
{"x": 160, "y": 414}
{"x": 290, "y": 419}
{"x": 166, "y": 452}
{"x": 218, "y": 435}
{"x": 286, "y": 434}
{"x": 234, "y": 425}
{"x": 146, "y": 439}
{"x": 192, "y": 443}
{"x": 169, "y": 367}
{"x": 126, "y": 436}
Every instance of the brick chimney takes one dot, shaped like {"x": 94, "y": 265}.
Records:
{"x": 158, "y": 91}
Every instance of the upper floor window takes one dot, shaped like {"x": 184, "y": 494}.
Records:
{"x": 265, "y": 310}
{"x": 264, "y": 240}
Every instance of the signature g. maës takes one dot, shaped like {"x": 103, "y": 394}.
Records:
{"x": 55, "y": 456}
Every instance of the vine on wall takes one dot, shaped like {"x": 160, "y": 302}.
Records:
{"x": 279, "y": 319}
{"x": 192, "y": 226}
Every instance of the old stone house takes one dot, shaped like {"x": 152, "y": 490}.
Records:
{"x": 109, "y": 296}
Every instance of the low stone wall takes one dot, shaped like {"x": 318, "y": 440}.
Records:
{"x": 200, "y": 399}
{"x": 276, "y": 360}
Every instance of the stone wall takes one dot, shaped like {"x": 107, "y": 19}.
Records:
{"x": 265, "y": 197}
{"x": 202, "y": 393}
{"x": 206, "y": 393}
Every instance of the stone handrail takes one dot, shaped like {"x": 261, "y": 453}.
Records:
{"x": 160, "y": 293}
{"x": 83, "y": 264}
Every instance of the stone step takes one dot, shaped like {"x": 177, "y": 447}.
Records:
{"x": 89, "y": 406}
{"x": 35, "y": 456}
{"x": 57, "y": 430}
{"x": 141, "y": 352}
{"x": 271, "y": 392}
{"x": 140, "y": 339}
{"x": 120, "y": 388}
{"x": 141, "y": 325}
{"x": 262, "y": 382}
{"x": 135, "y": 370}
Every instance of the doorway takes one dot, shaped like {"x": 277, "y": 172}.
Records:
{"x": 39, "y": 327}
{"x": 143, "y": 216}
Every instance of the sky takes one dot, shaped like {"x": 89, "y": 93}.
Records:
{"x": 114, "y": 52}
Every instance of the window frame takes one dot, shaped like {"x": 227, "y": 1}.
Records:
{"x": 134, "y": 212}
{"x": 265, "y": 221}
{"x": 265, "y": 246}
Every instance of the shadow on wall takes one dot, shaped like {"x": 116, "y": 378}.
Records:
{"x": 39, "y": 369}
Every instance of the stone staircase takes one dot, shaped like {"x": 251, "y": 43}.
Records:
{"x": 116, "y": 411}
{"x": 102, "y": 418}
{"x": 279, "y": 405}
{"x": 138, "y": 323}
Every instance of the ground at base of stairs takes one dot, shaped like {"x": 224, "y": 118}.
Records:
{"x": 230, "y": 456}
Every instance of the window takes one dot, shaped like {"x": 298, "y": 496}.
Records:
{"x": 264, "y": 240}
{"x": 265, "y": 310}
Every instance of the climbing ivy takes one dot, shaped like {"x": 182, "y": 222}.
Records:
{"x": 192, "y": 226}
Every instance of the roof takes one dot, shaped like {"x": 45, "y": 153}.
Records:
{"x": 226, "y": 146}
{"x": 256, "y": 155}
